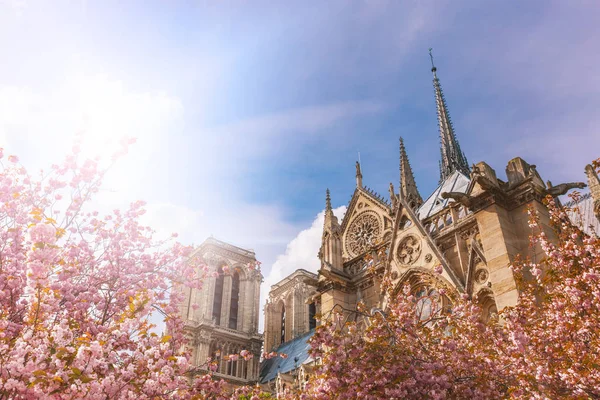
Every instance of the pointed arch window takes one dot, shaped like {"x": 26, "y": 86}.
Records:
{"x": 218, "y": 299}
{"x": 235, "y": 299}
{"x": 312, "y": 312}
{"x": 282, "y": 323}
{"x": 489, "y": 310}
{"x": 430, "y": 303}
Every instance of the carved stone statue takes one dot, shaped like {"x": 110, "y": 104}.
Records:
{"x": 462, "y": 198}
{"x": 393, "y": 197}
{"x": 475, "y": 171}
{"x": 563, "y": 188}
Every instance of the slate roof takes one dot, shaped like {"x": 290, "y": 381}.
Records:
{"x": 585, "y": 218}
{"x": 296, "y": 348}
{"x": 456, "y": 182}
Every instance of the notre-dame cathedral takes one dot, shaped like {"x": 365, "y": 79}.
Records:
{"x": 473, "y": 225}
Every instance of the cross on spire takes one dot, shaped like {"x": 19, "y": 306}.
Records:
{"x": 453, "y": 159}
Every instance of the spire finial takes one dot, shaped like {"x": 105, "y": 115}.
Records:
{"x": 433, "y": 68}
{"x": 327, "y": 201}
{"x": 453, "y": 159}
{"x": 408, "y": 186}
{"x": 358, "y": 175}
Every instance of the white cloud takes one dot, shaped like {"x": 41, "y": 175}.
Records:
{"x": 301, "y": 252}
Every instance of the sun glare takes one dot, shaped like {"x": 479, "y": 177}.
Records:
{"x": 108, "y": 115}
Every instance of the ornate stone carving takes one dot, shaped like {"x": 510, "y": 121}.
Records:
{"x": 209, "y": 256}
{"x": 481, "y": 276}
{"x": 356, "y": 267}
{"x": 408, "y": 250}
{"x": 469, "y": 232}
{"x": 215, "y": 253}
{"x": 363, "y": 233}
{"x": 428, "y": 257}
{"x": 394, "y": 275}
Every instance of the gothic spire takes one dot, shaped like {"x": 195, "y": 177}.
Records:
{"x": 331, "y": 222}
{"x": 408, "y": 187}
{"x": 453, "y": 159}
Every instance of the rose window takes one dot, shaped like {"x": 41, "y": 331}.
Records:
{"x": 362, "y": 234}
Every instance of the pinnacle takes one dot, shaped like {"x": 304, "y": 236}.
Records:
{"x": 408, "y": 186}
{"x": 327, "y": 201}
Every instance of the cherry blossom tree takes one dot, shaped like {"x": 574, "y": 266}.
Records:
{"x": 552, "y": 333}
{"x": 77, "y": 290}
{"x": 407, "y": 354}
{"x": 435, "y": 344}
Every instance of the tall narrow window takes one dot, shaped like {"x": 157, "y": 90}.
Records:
{"x": 232, "y": 368}
{"x": 283, "y": 323}
{"x": 235, "y": 299}
{"x": 218, "y": 299}
{"x": 312, "y": 311}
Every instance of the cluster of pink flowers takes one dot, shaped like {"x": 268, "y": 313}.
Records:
{"x": 254, "y": 266}
{"x": 246, "y": 355}
{"x": 77, "y": 290}
{"x": 273, "y": 354}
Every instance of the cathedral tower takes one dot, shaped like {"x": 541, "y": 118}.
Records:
{"x": 222, "y": 317}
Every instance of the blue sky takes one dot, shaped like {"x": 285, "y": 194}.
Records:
{"x": 245, "y": 111}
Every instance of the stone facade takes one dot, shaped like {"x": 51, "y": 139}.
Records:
{"x": 473, "y": 225}
{"x": 222, "y": 318}
{"x": 290, "y": 309}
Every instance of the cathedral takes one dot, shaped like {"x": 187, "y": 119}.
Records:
{"x": 472, "y": 226}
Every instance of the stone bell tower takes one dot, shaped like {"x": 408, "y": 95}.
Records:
{"x": 222, "y": 317}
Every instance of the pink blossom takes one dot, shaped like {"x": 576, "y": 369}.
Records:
{"x": 43, "y": 233}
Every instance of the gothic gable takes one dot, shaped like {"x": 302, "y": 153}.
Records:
{"x": 367, "y": 222}
{"x": 412, "y": 249}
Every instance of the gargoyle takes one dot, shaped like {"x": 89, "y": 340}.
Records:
{"x": 485, "y": 183}
{"x": 462, "y": 198}
{"x": 563, "y": 188}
